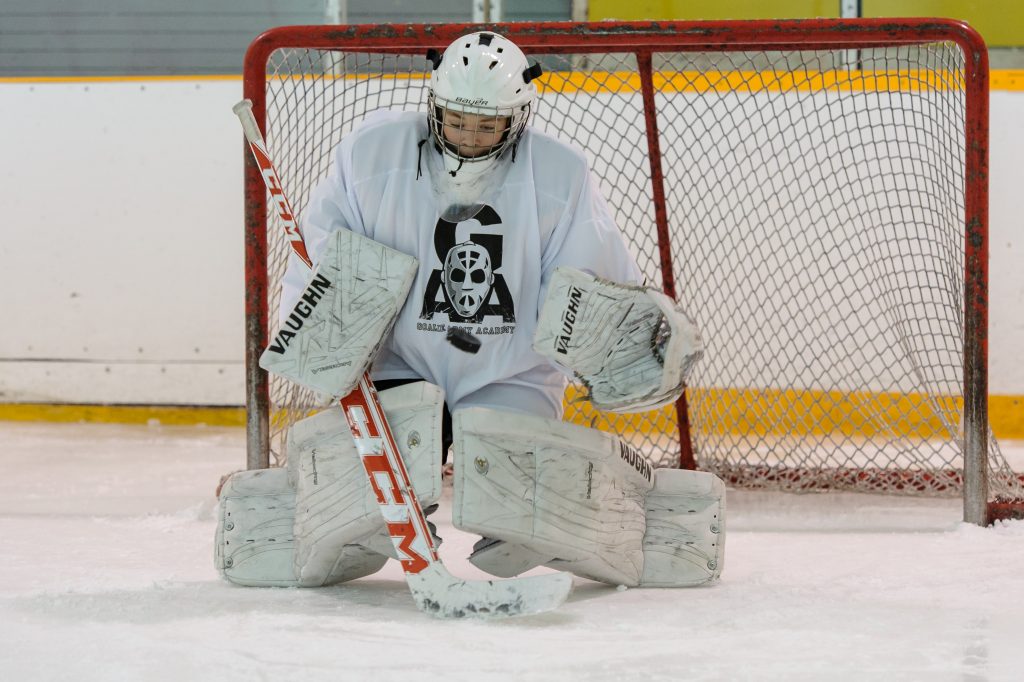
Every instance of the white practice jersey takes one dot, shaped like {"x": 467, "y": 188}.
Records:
{"x": 487, "y": 274}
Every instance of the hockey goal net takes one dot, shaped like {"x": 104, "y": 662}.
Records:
{"x": 813, "y": 192}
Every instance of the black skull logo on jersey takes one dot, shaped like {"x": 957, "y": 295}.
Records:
{"x": 467, "y": 277}
{"x": 468, "y": 286}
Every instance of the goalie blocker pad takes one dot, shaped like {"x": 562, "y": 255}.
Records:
{"x": 345, "y": 312}
{"x": 631, "y": 347}
{"x": 316, "y": 522}
{"x": 581, "y": 500}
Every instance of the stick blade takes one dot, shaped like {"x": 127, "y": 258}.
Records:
{"x": 441, "y": 594}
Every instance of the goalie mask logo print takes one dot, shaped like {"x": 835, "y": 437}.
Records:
{"x": 468, "y": 286}
{"x": 467, "y": 277}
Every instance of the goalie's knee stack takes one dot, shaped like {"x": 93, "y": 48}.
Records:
{"x": 334, "y": 505}
{"x": 331, "y": 510}
{"x": 316, "y": 523}
{"x": 562, "y": 491}
{"x": 581, "y": 500}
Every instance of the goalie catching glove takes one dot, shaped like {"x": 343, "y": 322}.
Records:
{"x": 632, "y": 347}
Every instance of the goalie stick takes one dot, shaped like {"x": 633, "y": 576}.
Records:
{"x": 435, "y": 590}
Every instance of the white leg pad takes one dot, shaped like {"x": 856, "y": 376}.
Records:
{"x": 261, "y": 540}
{"x": 334, "y": 505}
{"x": 579, "y": 500}
{"x": 568, "y": 492}
{"x": 254, "y": 544}
{"x": 684, "y": 545}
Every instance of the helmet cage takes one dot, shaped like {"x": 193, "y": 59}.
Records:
{"x": 517, "y": 117}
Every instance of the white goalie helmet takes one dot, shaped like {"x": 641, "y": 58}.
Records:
{"x": 480, "y": 99}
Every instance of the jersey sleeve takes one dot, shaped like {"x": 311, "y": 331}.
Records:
{"x": 332, "y": 206}
{"x": 587, "y": 238}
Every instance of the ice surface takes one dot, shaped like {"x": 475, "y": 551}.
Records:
{"x": 107, "y": 574}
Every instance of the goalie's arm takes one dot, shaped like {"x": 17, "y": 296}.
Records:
{"x": 629, "y": 345}
{"x": 585, "y": 235}
{"x": 332, "y": 206}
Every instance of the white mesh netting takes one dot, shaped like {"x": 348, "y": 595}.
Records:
{"x": 815, "y": 207}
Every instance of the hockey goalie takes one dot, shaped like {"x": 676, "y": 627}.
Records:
{"x": 465, "y": 219}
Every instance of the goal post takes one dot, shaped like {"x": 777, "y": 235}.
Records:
{"x": 825, "y": 222}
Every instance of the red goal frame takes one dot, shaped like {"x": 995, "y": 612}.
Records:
{"x": 643, "y": 39}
